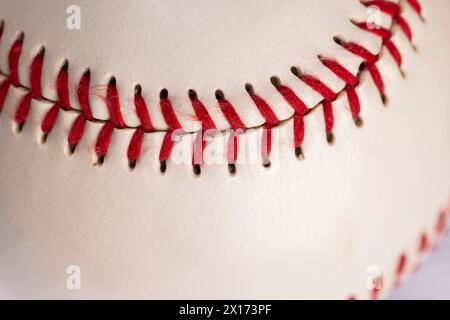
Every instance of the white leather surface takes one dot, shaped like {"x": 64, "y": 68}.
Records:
{"x": 306, "y": 230}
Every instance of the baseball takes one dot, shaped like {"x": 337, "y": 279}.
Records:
{"x": 213, "y": 149}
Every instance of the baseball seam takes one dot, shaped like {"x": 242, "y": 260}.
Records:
{"x": 231, "y": 114}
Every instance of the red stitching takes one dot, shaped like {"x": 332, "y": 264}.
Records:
{"x": 62, "y": 90}
{"x": 199, "y": 144}
{"x": 116, "y": 120}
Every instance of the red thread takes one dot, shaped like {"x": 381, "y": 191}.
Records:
{"x": 202, "y": 114}
{"x": 319, "y": 87}
{"x": 401, "y": 265}
{"x": 83, "y": 95}
{"x": 23, "y": 110}
{"x": 265, "y": 110}
{"x": 198, "y": 148}
{"x": 377, "y": 79}
{"x": 232, "y": 147}
{"x": 36, "y": 75}
{"x": 353, "y": 101}
{"x": 135, "y": 147}
{"x": 441, "y": 225}
{"x": 340, "y": 71}
{"x": 166, "y": 147}
{"x": 13, "y": 59}
{"x": 142, "y": 113}
{"x": 299, "y": 130}
{"x": 378, "y": 286}
{"x": 416, "y": 6}
{"x": 50, "y": 119}
{"x": 424, "y": 243}
{"x": 113, "y": 104}
{"x": 4, "y": 87}
{"x": 328, "y": 116}
{"x": 103, "y": 140}
{"x": 76, "y": 132}
{"x": 231, "y": 115}
{"x": 169, "y": 114}
{"x": 173, "y": 123}
{"x": 266, "y": 144}
{"x": 236, "y": 124}
{"x": 271, "y": 121}
{"x": 62, "y": 89}
{"x": 292, "y": 99}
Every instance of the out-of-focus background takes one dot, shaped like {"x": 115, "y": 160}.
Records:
{"x": 432, "y": 280}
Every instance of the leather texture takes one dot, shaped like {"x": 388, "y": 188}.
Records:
{"x": 303, "y": 229}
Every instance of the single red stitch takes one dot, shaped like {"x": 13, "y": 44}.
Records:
{"x": 166, "y": 147}
{"x": 266, "y": 145}
{"x": 319, "y": 87}
{"x": 291, "y": 98}
{"x": 400, "y": 269}
{"x": 441, "y": 225}
{"x": 232, "y": 147}
{"x": 62, "y": 87}
{"x": 377, "y": 79}
{"x": 354, "y": 103}
{"x": 135, "y": 147}
{"x": 23, "y": 110}
{"x": 340, "y": 71}
{"x": 378, "y": 286}
{"x": 142, "y": 111}
{"x": 76, "y": 132}
{"x": 399, "y": 20}
{"x": 197, "y": 152}
{"x": 36, "y": 74}
{"x": 265, "y": 110}
{"x": 113, "y": 104}
{"x": 4, "y": 88}
{"x": 395, "y": 53}
{"x": 201, "y": 112}
{"x": 416, "y": 6}
{"x": 230, "y": 114}
{"x": 13, "y": 59}
{"x": 424, "y": 243}
{"x": 362, "y": 52}
{"x": 83, "y": 94}
{"x": 299, "y": 130}
{"x": 50, "y": 119}
{"x": 103, "y": 141}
